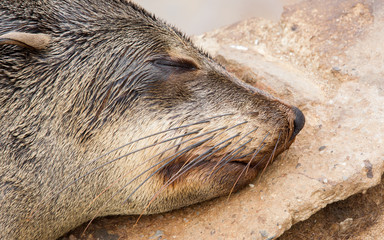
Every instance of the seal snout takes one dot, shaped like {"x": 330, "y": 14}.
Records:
{"x": 298, "y": 122}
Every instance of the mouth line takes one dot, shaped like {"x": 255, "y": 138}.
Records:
{"x": 259, "y": 160}
{"x": 241, "y": 162}
{"x": 246, "y": 163}
{"x": 220, "y": 161}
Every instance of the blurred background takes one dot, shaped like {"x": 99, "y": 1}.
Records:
{"x": 199, "y": 16}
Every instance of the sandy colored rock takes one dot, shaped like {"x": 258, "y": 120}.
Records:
{"x": 326, "y": 57}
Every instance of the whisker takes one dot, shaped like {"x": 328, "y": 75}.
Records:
{"x": 224, "y": 157}
{"x": 261, "y": 161}
{"x": 236, "y": 135}
{"x": 132, "y": 142}
{"x": 174, "y": 156}
{"x": 158, "y": 154}
{"x": 261, "y": 146}
{"x": 186, "y": 167}
{"x": 237, "y": 180}
{"x": 167, "y": 140}
{"x": 192, "y": 163}
{"x": 180, "y": 173}
{"x": 152, "y": 135}
{"x": 209, "y": 152}
{"x": 249, "y": 163}
{"x": 189, "y": 164}
{"x": 186, "y": 150}
{"x": 179, "y": 153}
{"x": 239, "y": 150}
{"x": 231, "y": 156}
{"x": 165, "y": 164}
{"x": 118, "y": 158}
{"x": 272, "y": 154}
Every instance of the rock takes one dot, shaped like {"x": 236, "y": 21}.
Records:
{"x": 158, "y": 235}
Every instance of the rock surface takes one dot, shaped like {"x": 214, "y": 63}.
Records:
{"x": 325, "y": 57}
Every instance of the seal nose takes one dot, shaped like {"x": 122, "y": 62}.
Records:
{"x": 298, "y": 123}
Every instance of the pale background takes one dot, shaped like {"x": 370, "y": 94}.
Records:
{"x": 199, "y": 16}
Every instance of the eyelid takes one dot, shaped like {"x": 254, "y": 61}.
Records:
{"x": 184, "y": 64}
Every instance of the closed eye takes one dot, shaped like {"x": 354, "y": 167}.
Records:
{"x": 180, "y": 64}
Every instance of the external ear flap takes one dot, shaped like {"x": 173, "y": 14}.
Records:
{"x": 35, "y": 41}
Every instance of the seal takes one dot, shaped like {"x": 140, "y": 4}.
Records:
{"x": 107, "y": 110}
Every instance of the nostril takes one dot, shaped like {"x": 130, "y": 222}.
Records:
{"x": 299, "y": 121}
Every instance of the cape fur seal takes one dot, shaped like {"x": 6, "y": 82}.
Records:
{"x": 107, "y": 110}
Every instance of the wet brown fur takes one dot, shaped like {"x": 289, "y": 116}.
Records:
{"x": 106, "y": 74}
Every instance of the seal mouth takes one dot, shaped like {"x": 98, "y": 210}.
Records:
{"x": 211, "y": 166}
{"x": 252, "y": 160}
{"x": 245, "y": 162}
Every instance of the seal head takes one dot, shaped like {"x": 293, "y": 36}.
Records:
{"x": 107, "y": 110}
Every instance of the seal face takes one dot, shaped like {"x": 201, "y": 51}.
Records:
{"x": 107, "y": 110}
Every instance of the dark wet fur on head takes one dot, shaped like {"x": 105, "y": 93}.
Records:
{"x": 88, "y": 25}
{"x": 116, "y": 112}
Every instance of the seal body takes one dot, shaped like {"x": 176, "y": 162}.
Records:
{"x": 107, "y": 110}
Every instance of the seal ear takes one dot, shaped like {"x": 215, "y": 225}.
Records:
{"x": 34, "y": 41}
